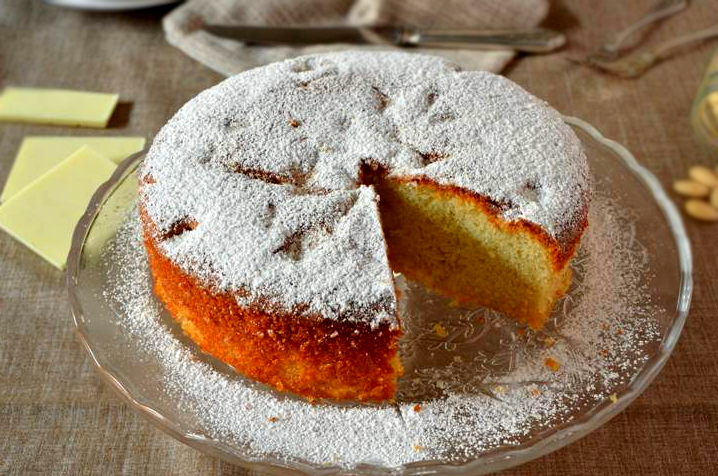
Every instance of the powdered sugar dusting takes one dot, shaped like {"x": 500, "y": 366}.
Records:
{"x": 266, "y": 166}
{"x": 482, "y": 384}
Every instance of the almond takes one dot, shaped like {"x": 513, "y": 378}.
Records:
{"x": 714, "y": 198}
{"x": 689, "y": 188}
{"x": 704, "y": 175}
{"x": 701, "y": 210}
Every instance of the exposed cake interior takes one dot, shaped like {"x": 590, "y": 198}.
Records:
{"x": 455, "y": 244}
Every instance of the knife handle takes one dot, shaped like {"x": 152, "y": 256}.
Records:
{"x": 539, "y": 40}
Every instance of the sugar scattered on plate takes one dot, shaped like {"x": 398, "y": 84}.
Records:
{"x": 481, "y": 386}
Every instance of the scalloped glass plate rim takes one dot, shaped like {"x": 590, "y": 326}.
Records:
{"x": 498, "y": 459}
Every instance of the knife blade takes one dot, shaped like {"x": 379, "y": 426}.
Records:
{"x": 539, "y": 40}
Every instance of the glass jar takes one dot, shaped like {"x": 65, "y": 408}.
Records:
{"x": 704, "y": 114}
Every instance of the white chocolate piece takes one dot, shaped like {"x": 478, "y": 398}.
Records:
{"x": 43, "y": 215}
{"x": 57, "y": 106}
{"x": 39, "y": 154}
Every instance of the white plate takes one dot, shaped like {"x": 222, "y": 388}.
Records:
{"x": 109, "y": 5}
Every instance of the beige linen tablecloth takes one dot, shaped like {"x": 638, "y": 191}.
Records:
{"x": 56, "y": 416}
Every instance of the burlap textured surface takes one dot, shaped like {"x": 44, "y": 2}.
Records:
{"x": 57, "y": 417}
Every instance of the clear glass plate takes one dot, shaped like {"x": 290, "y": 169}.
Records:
{"x": 606, "y": 341}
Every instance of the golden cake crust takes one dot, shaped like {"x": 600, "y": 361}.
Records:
{"x": 315, "y": 358}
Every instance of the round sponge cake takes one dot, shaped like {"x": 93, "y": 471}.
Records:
{"x": 277, "y": 205}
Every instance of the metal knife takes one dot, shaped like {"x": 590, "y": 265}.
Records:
{"x": 539, "y": 40}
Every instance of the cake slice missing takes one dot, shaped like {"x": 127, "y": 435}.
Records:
{"x": 458, "y": 244}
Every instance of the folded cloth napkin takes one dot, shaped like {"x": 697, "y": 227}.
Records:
{"x": 183, "y": 26}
